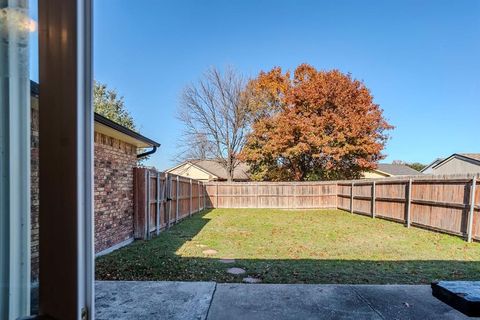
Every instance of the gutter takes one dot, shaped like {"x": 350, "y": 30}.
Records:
{"x": 142, "y": 155}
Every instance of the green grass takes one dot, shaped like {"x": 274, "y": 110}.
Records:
{"x": 280, "y": 246}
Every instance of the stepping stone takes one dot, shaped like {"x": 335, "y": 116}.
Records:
{"x": 236, "y": 271}
{"x": 209, "y": 252}
{"x": 225, "y": 260}
{"x": 251, "y": 280}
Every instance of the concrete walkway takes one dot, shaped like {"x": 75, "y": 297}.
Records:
{"x": 208, "y": 300}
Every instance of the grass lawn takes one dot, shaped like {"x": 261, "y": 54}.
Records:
{"x": 280, "y": 246}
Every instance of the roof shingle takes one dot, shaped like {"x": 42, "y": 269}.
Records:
{"x": 397, "y": 169}
{"x": 475, "y": 156}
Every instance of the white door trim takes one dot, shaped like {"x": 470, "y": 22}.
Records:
{"x": 14, "y": 164}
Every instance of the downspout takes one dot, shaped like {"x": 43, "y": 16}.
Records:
{"x": 142, "y": 155}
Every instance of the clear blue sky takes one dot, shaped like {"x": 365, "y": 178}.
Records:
{"x": 421, "y": 59}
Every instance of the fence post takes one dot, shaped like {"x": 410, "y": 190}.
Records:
{"x": 257, "y": 199}
{"x": 204, "y": 190}
{"x": 140, "y": 198}
{"x": 177, "y": 198}
{"x": 471, "y": 210}
{"x": 190, "y": 206}
{"x": 198, "y": 189}
{"x": 216, "y": 196}
{"x": 168, "y": 181}
{"x": 164, "y": 197}
{"x": 351, "y": 197}
{"x": 157, "y": 205}
{"x": 373, "y": 198}
{"x": 336, "y": 195}
{"x": 147, "y": 223}
{"x": 409, "y": 202}
{"x": 294, "y": 196}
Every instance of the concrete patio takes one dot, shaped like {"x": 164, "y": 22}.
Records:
{"x": 209, "y": 300}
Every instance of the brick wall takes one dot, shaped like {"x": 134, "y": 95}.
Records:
{"x": 113, "y": 190}
{"x": 114, "y": 162}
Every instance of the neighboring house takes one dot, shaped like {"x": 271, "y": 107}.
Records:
{"x": 428, "y": 168}
{"x": 385, "y": 170}
{"x": 457, "y": 163}
{"x": 116, "y": 152}
{"x": 209, "y": 170}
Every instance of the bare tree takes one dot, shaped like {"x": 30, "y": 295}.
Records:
{"x": 215, "y": 118}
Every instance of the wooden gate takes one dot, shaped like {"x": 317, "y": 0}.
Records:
{"x": 162, "y": 199}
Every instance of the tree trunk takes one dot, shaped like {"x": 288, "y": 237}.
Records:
{"x": 230, "y": 170}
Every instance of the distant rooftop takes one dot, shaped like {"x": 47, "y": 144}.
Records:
{"x": 215, "y": 168}
{"x": 475, "y": 156}
{"x": 465, "y": 156}
{"x": 397, "y": 169}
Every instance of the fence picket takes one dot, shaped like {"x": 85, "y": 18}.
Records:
{"x": 190, "y": 195}
{"x": 148, "y": 206}
{"x": 169, "y": 187}
{"x": 351, "y": 196}
{"x": 471, "y": 210}
{"x": 409, "y": 203}
{"x": 157, "y": 205}
{"x": 373, "y": 198}
{"x": 177, "y": 202}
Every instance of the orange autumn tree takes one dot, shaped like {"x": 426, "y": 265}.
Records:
{"x": 314, "y": 125}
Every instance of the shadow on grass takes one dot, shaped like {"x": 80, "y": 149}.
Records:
{"x": 157, "y": 259}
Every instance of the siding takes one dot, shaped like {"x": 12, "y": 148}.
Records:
{"x": 456, "y": 166}
{"x": 189, "y": 171}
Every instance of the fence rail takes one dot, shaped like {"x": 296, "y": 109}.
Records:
{"x": 162, "y": 199}
{"x": 449, "y": 204}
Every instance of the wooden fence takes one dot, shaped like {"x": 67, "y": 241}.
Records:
{"x": 446, "y": 204}
{"x": 449, "y": 204}
{"x": 162, "y": 199}
{"x": 287, "y": 195}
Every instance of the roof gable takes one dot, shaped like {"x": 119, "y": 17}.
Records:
{"x": 216, "y": 169}
{"x": 470, "y": 157}
{"x": 432, "y": 164}
{"x": 187, "y": 165}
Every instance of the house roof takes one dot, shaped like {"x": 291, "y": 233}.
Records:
{"x": 432, "y": 164}
{"x": 474, "y": 156}
{"x": 471, "y": 157}
{"x": 111, "y": 128}
{"x": 214, "y": 168}
{"x": 396, "y": 169}
{"x": 115, "y": 130}
{"x": 34, "y": 88}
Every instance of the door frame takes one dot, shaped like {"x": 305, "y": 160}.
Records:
{"x": 66, "y": 218}
{"x": 14, "y": 163}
